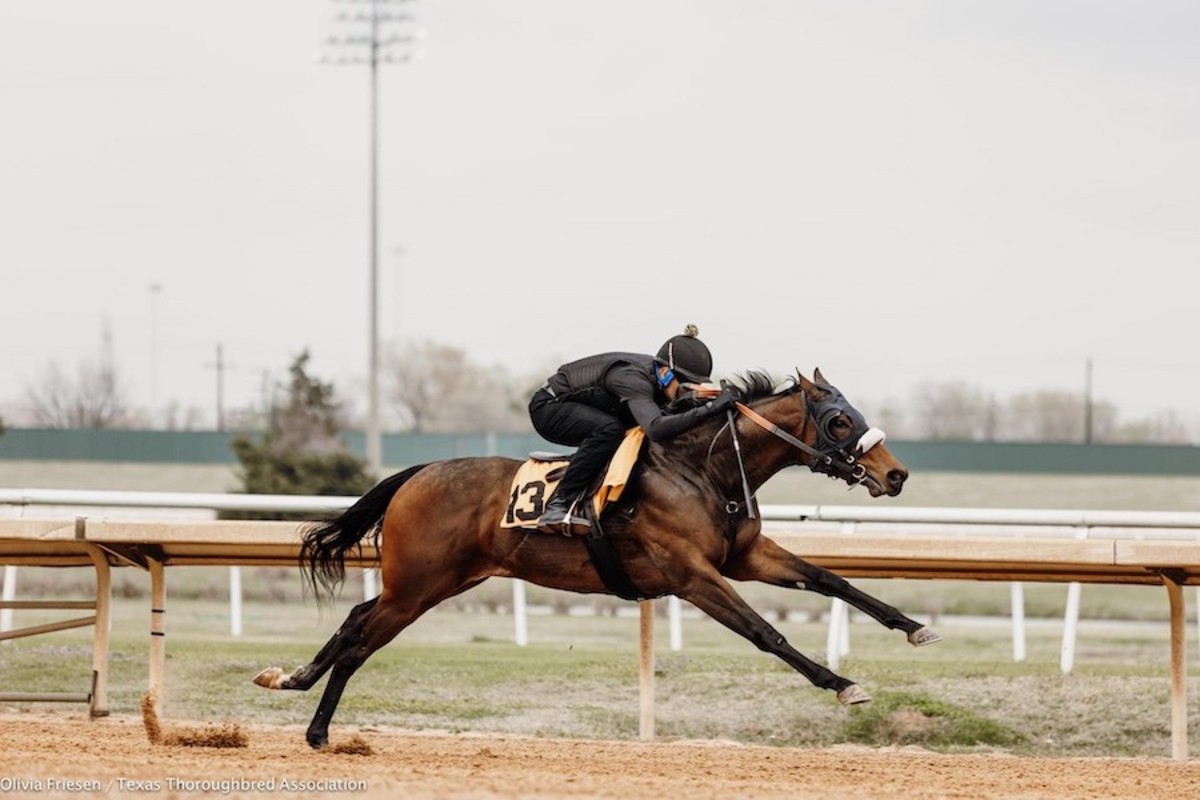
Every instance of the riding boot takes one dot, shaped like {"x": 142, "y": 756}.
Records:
{"x": 558, "y": 516}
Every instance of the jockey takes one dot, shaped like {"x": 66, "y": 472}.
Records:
{"x": 590, "y": 403}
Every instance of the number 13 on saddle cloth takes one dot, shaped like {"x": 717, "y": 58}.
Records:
{"x": 537, "y": 478}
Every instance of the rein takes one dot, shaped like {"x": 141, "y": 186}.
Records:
{"x": 773, "y": 429}
{"x": 848, "y": 467}
{"x": 830, "y": 457}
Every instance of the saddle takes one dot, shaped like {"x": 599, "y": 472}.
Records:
{"x": 539, "y": 475}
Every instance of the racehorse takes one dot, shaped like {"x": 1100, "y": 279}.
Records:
{"x": 686, "y": 524}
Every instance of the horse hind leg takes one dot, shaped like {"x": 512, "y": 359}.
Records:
{"x": 380, "y": 625}
{"x": 303, "y": 678}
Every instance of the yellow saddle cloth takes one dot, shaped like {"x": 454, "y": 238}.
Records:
{"x": 536, "y": 480}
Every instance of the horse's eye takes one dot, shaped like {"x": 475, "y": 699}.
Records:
{"x": 840, "y": 425}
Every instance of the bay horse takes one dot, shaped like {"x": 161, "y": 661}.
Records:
{"x": 684, "y": 526}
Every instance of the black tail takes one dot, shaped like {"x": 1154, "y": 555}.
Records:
{"x": 323, "y": 553}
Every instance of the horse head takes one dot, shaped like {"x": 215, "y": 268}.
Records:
{"x": 846, "y": 446}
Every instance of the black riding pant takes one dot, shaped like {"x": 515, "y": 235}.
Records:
{"x": 596, "y": 433}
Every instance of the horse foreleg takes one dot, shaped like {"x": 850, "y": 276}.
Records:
{"x": 715, "y": 597}
{"x": 303, "y": 678}
{"x": 768, "y": 562}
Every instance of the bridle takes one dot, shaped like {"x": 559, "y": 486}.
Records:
{"x": 838, "y": 457}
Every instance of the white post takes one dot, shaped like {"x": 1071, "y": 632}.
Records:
{"x": 9, "y": 594}
{"x": 844, "y": 642}
{"x": 675, "y": 622}
{"x": 1017, "y": 592}
{"x": 235, "y": 601}
{"x": 1070, "y": 629}
{"x": 837, "y": 640}
{"x": 520, "y": 618}
{"x": 834, "y": 639}
{"x": 1071, "y": 619}
{"x": 370, "y": 587}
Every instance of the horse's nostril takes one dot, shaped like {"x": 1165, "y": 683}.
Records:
{"x": 897, "y": 477}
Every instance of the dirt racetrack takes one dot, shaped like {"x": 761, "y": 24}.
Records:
{"x": 40, "y": 752}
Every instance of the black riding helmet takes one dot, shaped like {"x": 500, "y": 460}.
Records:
{"x": 687, "y": 356}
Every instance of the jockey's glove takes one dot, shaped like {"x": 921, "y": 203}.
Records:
{"x": 722, "y": 402}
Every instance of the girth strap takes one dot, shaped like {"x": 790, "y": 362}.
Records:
{"x": 604, "y": 557}
{"x": 737, "y": 449}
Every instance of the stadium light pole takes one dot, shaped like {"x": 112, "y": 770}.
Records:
{"x": 371, "y": 35}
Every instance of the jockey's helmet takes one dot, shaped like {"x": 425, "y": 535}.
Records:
{"x": 687, "y": 356}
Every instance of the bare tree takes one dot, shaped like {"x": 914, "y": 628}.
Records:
{"x": 178, "y": 417}
{"x": 1055, "y": 416}
{"x": 493, "y": 401}
{"x": 951, "y": 410}
{"x": 889, "y": 415}
{"x": 424, "y": 377}
{"x": 95, "y": 398}
{"x": 1165, "y": 427}
{"x": 436, "y": 388}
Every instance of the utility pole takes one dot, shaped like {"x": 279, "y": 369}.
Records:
{"x": 155, "y": 292}
{"x": 108, "y": 368}
{"x": 372, "y": 36}
{"x": 220, "y": 366}
{"x": 1088, "y": 404}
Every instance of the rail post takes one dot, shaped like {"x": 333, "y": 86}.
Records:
{"x": 646, "y": 671}
{"x": 98, "y": 704}
{"x": 1179, "y": 732}
{"x": 158, "y": 633}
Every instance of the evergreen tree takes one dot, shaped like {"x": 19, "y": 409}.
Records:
{"x": 302, "y": 450}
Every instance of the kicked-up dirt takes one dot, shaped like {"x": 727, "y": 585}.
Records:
{"x": 49, "y": 755}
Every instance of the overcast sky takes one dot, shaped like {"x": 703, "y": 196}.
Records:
{"x": 990, "y": 192}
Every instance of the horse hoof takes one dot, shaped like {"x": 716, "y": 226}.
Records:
{"x": 270, "y": 678}
{"x": 852, "y": 695}
{"x": 923, "y": 636}
{"x": 317, "y": 740}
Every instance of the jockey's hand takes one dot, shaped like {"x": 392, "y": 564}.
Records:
{"x": 686, "y": 401}
{"x": 704, "y": 390}
{"x": 722, "y": 402}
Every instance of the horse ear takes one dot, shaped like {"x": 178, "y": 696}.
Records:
{"x": 818, "y": 377}
{"x": 808, "y": 387}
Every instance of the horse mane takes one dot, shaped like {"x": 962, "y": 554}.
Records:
{"x": 749, "y": 386}
{"x": 756, "y": 384}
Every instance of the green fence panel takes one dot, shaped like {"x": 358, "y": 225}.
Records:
{"x": 1021, "y": 457}
{"x": 193, "y": 447}
{"x": 211, "y": 447}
